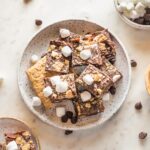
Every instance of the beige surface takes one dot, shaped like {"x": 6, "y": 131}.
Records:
{"x": 17, "y": 27}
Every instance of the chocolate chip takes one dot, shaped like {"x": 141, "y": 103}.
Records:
{"x": 112, "y": 60}
{"x": 112, "y": 90}
{"x": 138, "y": 105}
{"x": 67, "y": 132}
{"x": 69, "y": 114}
{"x": 147, "y": 10}
{"x": 147, "y": 17}
{"x": 142, "y": 135}
{"x": 64, "y": 118}
{"x": 74, "y": 120}
{"x": 26, "y": 1}
{"x": 133, "y": 63}
{"x": 146, "y": 22}
{"x": 38, "y": 22}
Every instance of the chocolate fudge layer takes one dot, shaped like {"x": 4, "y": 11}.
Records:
{"x": 111, "y": 71}
{"x": 99, "y": 82}
{"x": 62, "y": 80}
{"x": 89, "y": 108}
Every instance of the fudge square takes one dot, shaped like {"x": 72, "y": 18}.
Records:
{"x": 86, "y": 54}
{"x": 63, "y": 87}
{"x": 89, "y": 108}
{"x": 111, "y": 71}
{"x": 94, "y": 81}
{"x": 56, "y": 62}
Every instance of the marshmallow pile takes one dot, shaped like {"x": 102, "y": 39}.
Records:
{"x": 133, "y": 9}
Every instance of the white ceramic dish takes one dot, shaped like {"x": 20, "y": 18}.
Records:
{"x": 39, "y": 44}
{"x": 10, "y": 125}
{"x": 129, "y": 22}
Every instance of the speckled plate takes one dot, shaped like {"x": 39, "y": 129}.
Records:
{"x": 39, "y": 44}
{"x": 10, "y": 125}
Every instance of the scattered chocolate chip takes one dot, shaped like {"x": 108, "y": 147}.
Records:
{"x": 69, "y": 114}
{"x": 142, "y": 135}
{"x": 38, "y": 22}
{"x": 112, "y": 90}
{"x": 147, "y": 17}
{"x": 147, "y": 10}
{"x": 26, "y": 1}
{"x": 67, "y": 132}
{"x": 44, "y": 54}
{"x": 74, "y": 120}
{"x": 138, "y": 105}
{"x": 133, "y": 63}
{"x": 64, "y": 118}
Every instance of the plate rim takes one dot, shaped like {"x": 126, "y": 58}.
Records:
{"x": 91, "y": 125}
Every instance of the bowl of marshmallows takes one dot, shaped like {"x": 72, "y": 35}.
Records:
{"x": 135, "y": 13}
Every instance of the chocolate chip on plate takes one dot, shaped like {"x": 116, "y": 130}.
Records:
{"x": 64, "y": 118}
{"x": 147, "y": 17}
{"x": 139, "y": 20}
{"x": 67, "y": 132}
{"x": 26, "y": 1}
{"x": 69, "y": 114}
{"x": 142, "y": 135}
{"x": 147, "y": 10}
{"x": 138, "y": 105}
{"x": 38, "y": 22}
{"x": 112, "y": 60}
{"x": 133, "y": 63}
{"x": 74, "y": 120}
{"x": 112, "y": 90}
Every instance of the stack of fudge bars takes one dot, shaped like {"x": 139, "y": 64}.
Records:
{"x": 84, "y": 68}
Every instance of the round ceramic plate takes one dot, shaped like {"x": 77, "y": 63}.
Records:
{"x": 39, "y": 44}
{"x": 10, "y": 125}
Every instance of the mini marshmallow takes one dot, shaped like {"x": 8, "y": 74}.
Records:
{"x": 116, "y": 78}
{"x": 66, "y": 51}
{"x": 34, "y": 59}
{"x": 55, "y": 80}
{"x": 64, "y": 33}
{"x": 62, "y": 87}
{"x": 36, "y": 101}
{"x": 12, "y": 146}
{"x": 60, "y": 111}
{"x": 88, "y": 79}
{"x": 85, "y": 96}
{"x": 134, "y": 14}
{"x": 47, "y": 91}
{"x": 139, "y": 7}
{"x": 122, "y": 7}
{"x": 130, "y": 6}
{"x": 85, "y": 54}
{"x": 106, "y": 97}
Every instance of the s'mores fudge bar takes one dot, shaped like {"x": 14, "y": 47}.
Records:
{"x": 111, "y": 71}
{"x": 89, "y": 108}
{"x": 62, "y": 87}
{"x": 94, "y": 80}
{"x": 57, "y": 59}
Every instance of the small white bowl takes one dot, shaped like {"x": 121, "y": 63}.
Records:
{"x": 129, "y": 22}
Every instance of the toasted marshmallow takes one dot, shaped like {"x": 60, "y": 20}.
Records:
{"x": 60, "y": 111}
{"x": 88, "y": 79}
{"x": 62, "y": 87}
{"x": 130, "y": 6}
{"x": 64, "y": 33}
{"x": 106, "y": 97}
{"x": 34, "y": 59}
{"x": 55, "y": 80}
{"x": 85, "y": 96}
{"x": 134, "y": 14}
{"x": 122, "y": 7}
{"x": 116, "y": 78}
{"x": 36, "y": 101}
{"x": 66, "y": 51}
{"x": 85, "y": 54}
{"x": 47, "y": 91}
{"x": 12, "y": 146}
